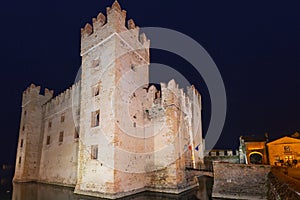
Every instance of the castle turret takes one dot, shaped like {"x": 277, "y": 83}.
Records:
{"x": 30, "y": 135}
{"x": 114, "y": 58}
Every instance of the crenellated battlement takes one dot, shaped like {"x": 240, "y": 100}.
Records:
{"x": 64, "y": 99}
{"x": 104, "y": 27}
{"x": 169, "y": 96}
{"x": 33, "y": 92}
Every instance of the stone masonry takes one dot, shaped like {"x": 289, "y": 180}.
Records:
{"x": 240, "y": 181}
{"x": 111, "y": 134}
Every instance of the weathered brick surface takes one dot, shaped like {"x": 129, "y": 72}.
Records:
{"x": 282, "y": 186}
{"x": 240, "y": 181}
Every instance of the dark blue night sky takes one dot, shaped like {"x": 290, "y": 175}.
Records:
{"x": 255, "y": 45}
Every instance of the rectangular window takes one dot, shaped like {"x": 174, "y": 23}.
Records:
{"x": 94, "y": 152}
{"x": 25, "y": 113}
{"x": 76, "y": 134}
{"x": 133, "y": 68}
{"x": 62, "y": 118}
{"x": 61, "y": 137}
{"x": 49, "y": 124}
{"x": 96, "y": 118}
{"x": 96, "y": 90}
{"x": 20, "y": 160}
{"x": 48, "y": 140}
{"x": 21, "y": 143}
{"x": 23, "y": 128}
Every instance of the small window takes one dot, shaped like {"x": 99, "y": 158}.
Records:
{"x": 96, "y": 118}
{"x": 94, "y": 152}
{"x": 20, "y": 160}
{"x": 23, "y": 128}
{"x": 25, "y": 113}
{"x": 49, "y": 124}
{"x": 21, "y": 143}
{"x": 61, "y": 137}
{"x": 62, "y": 118}
{"x": 96, "y": 90}
{"x": 133, "y": 68}
{"x": 76, "y": 134}
{"x": 48, "y": 140}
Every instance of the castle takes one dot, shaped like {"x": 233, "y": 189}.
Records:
{"x": 112, "y": 133}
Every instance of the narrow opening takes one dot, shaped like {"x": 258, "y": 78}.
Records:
{"x": 96, "y": 118}
{"x": 49, "y": 124}
{"x": 20, "y": 160}
{"x": 23, "y": 128}
{"x": 94, "y": 152}
{"x": 62, "y": 118}
{"x": 48, "y": 140}
{"x": 76, "y": 134}
{"x": 133, "y": 68}
{"x": 61, "y": 136}
{"x": 25, "y": 113}
{"x": 96, "y": 90}
{"x": 21, "y": 144}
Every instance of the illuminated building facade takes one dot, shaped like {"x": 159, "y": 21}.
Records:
{"x": 285, "y": 151}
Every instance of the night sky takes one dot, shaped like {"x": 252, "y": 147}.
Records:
{"x": 255, "y": 45}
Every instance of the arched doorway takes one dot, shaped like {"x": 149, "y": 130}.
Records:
{"x": 256, "y": 158}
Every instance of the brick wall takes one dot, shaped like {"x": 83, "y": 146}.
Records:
{"x": 239, "y": 181}
{"x": 282, "y": 186}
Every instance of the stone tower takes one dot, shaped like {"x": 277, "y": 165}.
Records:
{"x": 114, "y": 58}
{"x": 30, "y": 135}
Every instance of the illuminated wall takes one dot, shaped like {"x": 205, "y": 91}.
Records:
{"x": 284, "y": 151}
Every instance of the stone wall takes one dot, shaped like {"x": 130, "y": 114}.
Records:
{"x": 59, "y": 155}
{"x": 239, "y": 181}
{"x": 208, "y": 161}
{"x": 283, "y": 186}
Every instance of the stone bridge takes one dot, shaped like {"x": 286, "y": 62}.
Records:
{"x": 198, "y": 172}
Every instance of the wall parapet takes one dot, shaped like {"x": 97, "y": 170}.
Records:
{"x": 240, "y": 181}
{"x": 33, "y": 92}
{"x": 63, "y": 99}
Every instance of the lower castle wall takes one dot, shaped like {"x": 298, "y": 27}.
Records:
{"x": 59, "y": 159}
{"x": 239, "y": 181}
